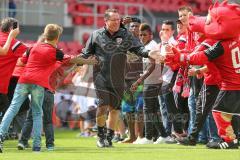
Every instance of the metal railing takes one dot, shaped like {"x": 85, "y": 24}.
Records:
{"x": 36, "y": 12}
{"x": 42, "y": 12}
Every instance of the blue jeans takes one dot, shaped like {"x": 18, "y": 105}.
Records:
{"x": 47, "y": 107}
{"x": 165, "y": 116}
{"x": 192, "y": 110}
{"x": 209, "y": 130}
{"x": 21, "y": 93}
{"x": 203, "y": 134}
{"x": 212, "y": 128}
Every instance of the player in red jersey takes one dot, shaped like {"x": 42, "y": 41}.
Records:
{"x": 223, "y": 22}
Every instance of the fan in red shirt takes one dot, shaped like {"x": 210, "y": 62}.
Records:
{"x": 223, "y": 22}
{"x": 40, "y": 65}
{"x": 9, "y": 60}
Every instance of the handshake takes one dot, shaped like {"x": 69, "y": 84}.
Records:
{"x": 170, "y": 56}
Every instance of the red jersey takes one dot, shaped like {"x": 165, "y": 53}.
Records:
{"x": 8, "y": 61}
{"x": 212, "y": 77}
{"x": 228, "y": 63}
{"x": 40, "y": 64}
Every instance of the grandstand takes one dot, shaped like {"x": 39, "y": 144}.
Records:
{"x": 80, "y": 17}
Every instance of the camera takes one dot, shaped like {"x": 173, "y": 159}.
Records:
{"x": 15, "y": 25}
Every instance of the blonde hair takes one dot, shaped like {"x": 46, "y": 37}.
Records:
{"x": 52, "y": 31}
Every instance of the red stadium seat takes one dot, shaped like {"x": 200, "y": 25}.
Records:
{"x": 78, "y": 20}
{"x": 88, "y": 21}
{"x": 120, "y": 9}
{"x": 132, "y": 10}
{"x": 102, "y": 8}
{"x": 74, "y": 47}
{"x": 100, "y": 22}
{"x": 82, "y": 8}
{"x": 63, "y": 46}
{"x": 85, "y": 37}
{"x": 71, "y": 7}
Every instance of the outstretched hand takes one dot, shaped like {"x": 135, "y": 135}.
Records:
{"x": 172, "y": 57}
{"x": 92, "y": 60}
{"x": 155, "y": 54}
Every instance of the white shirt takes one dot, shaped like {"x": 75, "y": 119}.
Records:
{"x": 154, "y": 77}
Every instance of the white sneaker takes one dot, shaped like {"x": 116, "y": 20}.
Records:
{"x": 137, "y": 140}
{"x": 161, "y": 140}
{"x": 144, "y": 141}
{"x": 170, "y": 140}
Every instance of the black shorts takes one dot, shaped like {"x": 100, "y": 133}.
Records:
{"x": 111, "y": 96}
{"x": 228, "y": 102}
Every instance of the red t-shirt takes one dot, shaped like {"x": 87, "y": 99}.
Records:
{"x": 8, "y": 62}
{"x": 18, "y": 70}
{"x": 40, "y": 64}
{"x": 228, "y": 63}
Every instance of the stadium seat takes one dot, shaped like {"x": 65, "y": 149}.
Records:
{"x": 85, "y": 37}
{"x": 102, "y": 8}
{"x": 63, "y": 46}
{"x": 120, "y": 9}
{"x": 88, "y": 21}
{"x": 78, "y": 20}
{"x": 71, "y": 7}
{"x": 74, "y": 47}
{"x": 132, "y": 10}
{"x": 100, "y": 22}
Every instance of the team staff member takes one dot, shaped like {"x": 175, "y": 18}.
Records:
{"x": 110, "y": 44}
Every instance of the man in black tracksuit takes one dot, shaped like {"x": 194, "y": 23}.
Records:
{"x": 110, "y": 45}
